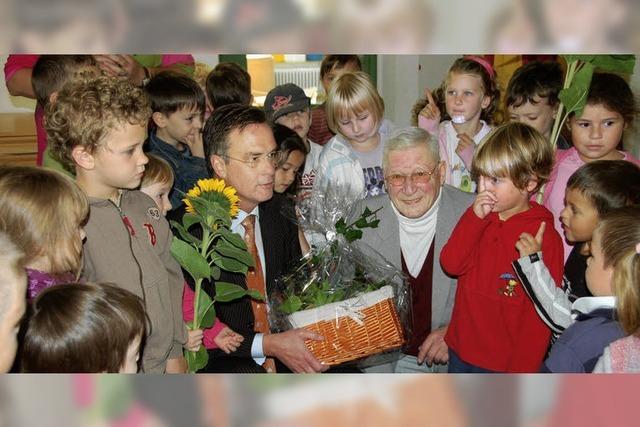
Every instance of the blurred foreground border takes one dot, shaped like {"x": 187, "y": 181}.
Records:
{"x": 318, "y": 400}
{"x": 320, "y": 26}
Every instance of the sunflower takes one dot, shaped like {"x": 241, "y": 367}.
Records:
{"x": 214, "y": 190}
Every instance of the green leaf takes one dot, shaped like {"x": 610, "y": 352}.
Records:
{"x": 583, "y": 58}
{"x": 202, "y": 357}
{"x": 189, "y": 258}
{"x": 229, "y": 251}
{"x": 215, "y": 272}
{"x": 614, "y": 63}
{"x": 341, "y": 226}
{"x": 188, "y": 219}
{"x": 233, "y": 238}
{"x": 353, "y": 235}
{"x": 226, "y": 292}
{"x": 290, "y": 305}
{"x": 255, "y": 294}
{"x": 574, "y": 97}
{"x": 230, "y": 265}
{"x": 206, "y": 311}
{"x": 184, "y": 233}
{"x": 196, "y": 360}
{"x": 361, "y": 222}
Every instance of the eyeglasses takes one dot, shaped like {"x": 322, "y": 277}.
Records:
{"x": 420, "y": 177}
{"x": 273, "y": 157}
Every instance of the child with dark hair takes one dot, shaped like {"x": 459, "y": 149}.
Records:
{"x": 595, "y": 189}
{"x": 612, "y": 277}
{"x": 331, "y": 66}
{"x": 532, "y": 97}
{"x": 292, "y": 158}
{"x": 228, "y": 83}
{"x": 596, "y": 135}
{"x": 292, "y": 155}
{"x": 288, "y": 105}
{"x": 90, "y": 328}
{"x": 178, "y": 105}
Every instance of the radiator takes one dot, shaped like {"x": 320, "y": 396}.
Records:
{"x": 305, "y": 75}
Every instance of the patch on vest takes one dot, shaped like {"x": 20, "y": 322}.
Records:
{"x": 154, "y": 213}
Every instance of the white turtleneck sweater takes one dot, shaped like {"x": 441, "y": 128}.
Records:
{"x": 416, "y": 236}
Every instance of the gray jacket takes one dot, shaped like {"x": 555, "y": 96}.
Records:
{"x": 139, "y": 260}
{"x": 386, "y": 240}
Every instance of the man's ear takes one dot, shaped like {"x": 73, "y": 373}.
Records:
{"x": 219, "y": 166}
{"x": 159, "y": 119}
{"x": 442, "y": 172}
{"x": 83, "y": 158}
{"x": 53, "y": 97}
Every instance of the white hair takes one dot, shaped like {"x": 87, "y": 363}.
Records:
{"x": 410, "y": 137}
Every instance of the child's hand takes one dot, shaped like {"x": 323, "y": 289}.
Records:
{"x": 485, "y": 200}
{"x": 466, "y": 147}
{"x": 194, "y": 339}
{"x": 527, "y": 244}
{"x": 195, "y": 144}
{"x": 228, "y": 340}
{"x": 431, "y": 110}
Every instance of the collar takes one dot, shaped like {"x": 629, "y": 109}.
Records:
{"x": 421, "y": 221}
{"x": 158, "y": 144}
{"x": 588, "y": 304}
{"x": 237, "y": 221}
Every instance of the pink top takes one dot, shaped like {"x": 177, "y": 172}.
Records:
{"x": 188, "y": 298}
{"x": 18, "y": 62}
{"x": 625, "y": 355}
{"x": 567, "y": 162}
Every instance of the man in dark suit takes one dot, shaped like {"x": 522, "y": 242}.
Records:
{"x": 418, "y": 214}
{"x": 240, "y": 149}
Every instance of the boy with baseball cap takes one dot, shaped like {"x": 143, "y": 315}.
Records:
{"x": 288, "y": 105}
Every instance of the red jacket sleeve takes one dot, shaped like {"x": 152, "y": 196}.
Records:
{"x": 188, "y": 298}
{"x": 459, "y": 252}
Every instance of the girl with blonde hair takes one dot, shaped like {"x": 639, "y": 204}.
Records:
{"x": 42, "y": 211}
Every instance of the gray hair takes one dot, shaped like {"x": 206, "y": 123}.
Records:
{"x": 410, "y": 137}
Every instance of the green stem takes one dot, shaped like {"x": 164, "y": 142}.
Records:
{"x": 561, "y": 117}
{"x": 370, "y": 215}
{"x": 196, "y": 303}
{"x": 557, "y": 124}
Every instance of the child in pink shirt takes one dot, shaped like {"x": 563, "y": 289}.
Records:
{"x": 596, "y": 135}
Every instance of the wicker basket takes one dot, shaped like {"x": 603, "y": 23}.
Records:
{"x": 354, "y": 328}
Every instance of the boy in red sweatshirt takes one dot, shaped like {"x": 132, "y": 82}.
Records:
{"x": 494, "y": 326}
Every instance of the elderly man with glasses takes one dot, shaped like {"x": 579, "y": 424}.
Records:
{"x": 419, "y": 212}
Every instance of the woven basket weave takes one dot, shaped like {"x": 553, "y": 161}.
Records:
{"x": 345, "y": 339}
